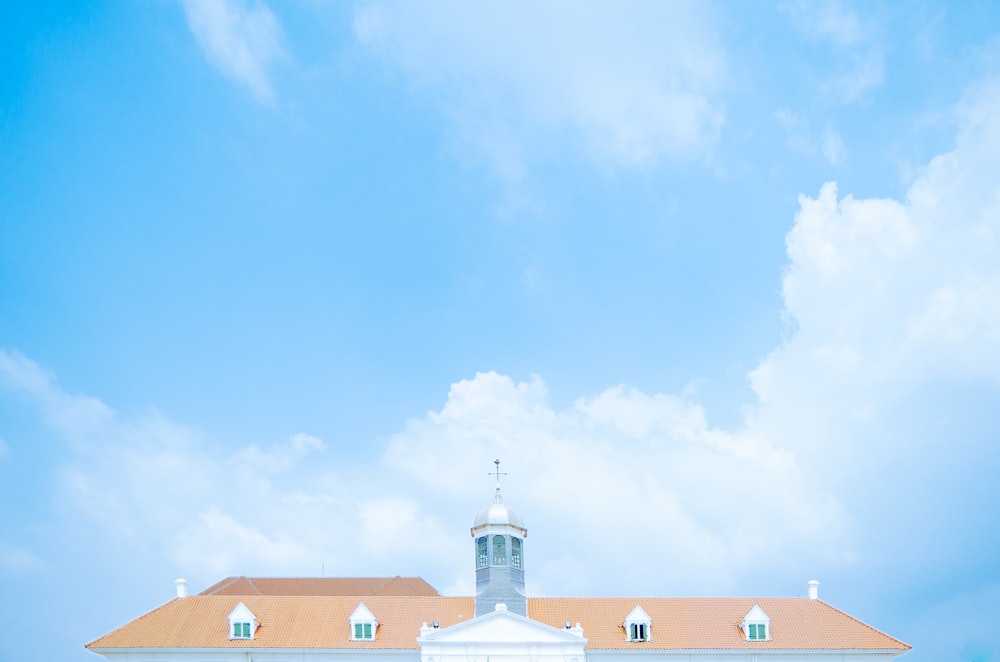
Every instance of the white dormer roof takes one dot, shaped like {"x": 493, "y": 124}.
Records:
{"x": 241, "y": 614}
{"x": 756, "y": 615}
{"x": 638, "y": 615}
{"x": 362, "y": 614}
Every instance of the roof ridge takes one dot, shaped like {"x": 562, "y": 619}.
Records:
{"x": 406, "y": 580}
{"x": 383, "y": 584}
{"x": 253, "y": 586}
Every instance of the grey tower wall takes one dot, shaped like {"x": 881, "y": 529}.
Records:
{"x": 500, "y": 583}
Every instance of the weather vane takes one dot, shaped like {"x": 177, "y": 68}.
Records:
{"x": 497, "y": 472}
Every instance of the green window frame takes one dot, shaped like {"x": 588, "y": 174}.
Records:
{"x": 241, "y": 630}
{"x": 757, "y": 632}
{"x": 638, "y": 632}
{"x": 363, "y": 631}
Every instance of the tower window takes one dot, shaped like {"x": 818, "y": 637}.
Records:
{"x": 515, "y": 553}
{"x": 481, "y": 557}
{"x": 499, "y": 550}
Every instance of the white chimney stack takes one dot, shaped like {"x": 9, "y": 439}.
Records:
{"x": 182, "y": 587}
{"x": 813, "y": 589}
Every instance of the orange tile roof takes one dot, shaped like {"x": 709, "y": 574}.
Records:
{"x": 286, "y": 621}
{"x": 713, "y": 623}
{"x": 321, "y": 586}
{"x": 309, "y": 621}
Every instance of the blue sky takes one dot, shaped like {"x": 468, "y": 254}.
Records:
{"x": 718, "y": 282}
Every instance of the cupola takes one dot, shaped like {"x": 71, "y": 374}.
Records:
{"x": 498, "y": 533}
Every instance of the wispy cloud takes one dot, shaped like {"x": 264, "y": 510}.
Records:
{"x": 18, "y": 561}
{"x": 859, "y": 62}
{"x": 241, "y": 39}
{"x": 800, "y": 138}
{"x": 628, "y": 84}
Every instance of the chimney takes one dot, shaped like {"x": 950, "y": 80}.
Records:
{"x": 813, "y": 589}
{"x": 182, "y": 587}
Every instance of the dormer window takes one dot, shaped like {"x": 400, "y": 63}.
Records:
{"x": 756, "y": 625}
{"x": 638, "y": 625}
{"x": 363, "y": 624}
{"x": 242, "y": 623}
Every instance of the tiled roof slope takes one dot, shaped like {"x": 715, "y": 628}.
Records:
{"x": 286, "y": 621}
{"x": 713, "y": 623}
{"x": 296, "y": 621}
{"x": 321, "y": 586}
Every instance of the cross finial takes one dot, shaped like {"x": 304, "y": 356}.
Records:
{"x": 496, "y": 497}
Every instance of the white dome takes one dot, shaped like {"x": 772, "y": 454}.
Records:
{"x": 498, "y": 513}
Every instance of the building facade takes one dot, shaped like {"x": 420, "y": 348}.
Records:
{"x": 401, "y": 619}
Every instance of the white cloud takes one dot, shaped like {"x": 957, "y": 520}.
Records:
{"x": 645, "y": 470}
{"x": 220, "y": 544}
{"x": 628, "y": 84}
{"x": 240, "y": 39}
{"x": 76, "y": 416}
{"x": 883, "y": 291}
{"x": 191, "y": 502}
{"x": 846, "y": 449}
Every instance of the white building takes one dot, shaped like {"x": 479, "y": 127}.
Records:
{"x": 400, "y": 619}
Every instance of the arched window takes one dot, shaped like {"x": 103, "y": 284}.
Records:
{"x": 481, "y": 558}
{"x": 515, "y": 553}
{"x": 499, "y": 550}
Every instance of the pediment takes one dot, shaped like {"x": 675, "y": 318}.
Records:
{"x": 500, "y": 627}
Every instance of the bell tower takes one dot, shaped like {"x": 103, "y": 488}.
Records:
{"x": 498, "y": 534}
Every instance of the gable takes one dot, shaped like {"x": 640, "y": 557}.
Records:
{"x": 362, "y": 614}
{"x": 756, "y": 615}
{"x": 499, "y": 627}
{"x": 638, "y": 615}
{"x": 241, "y": 613}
